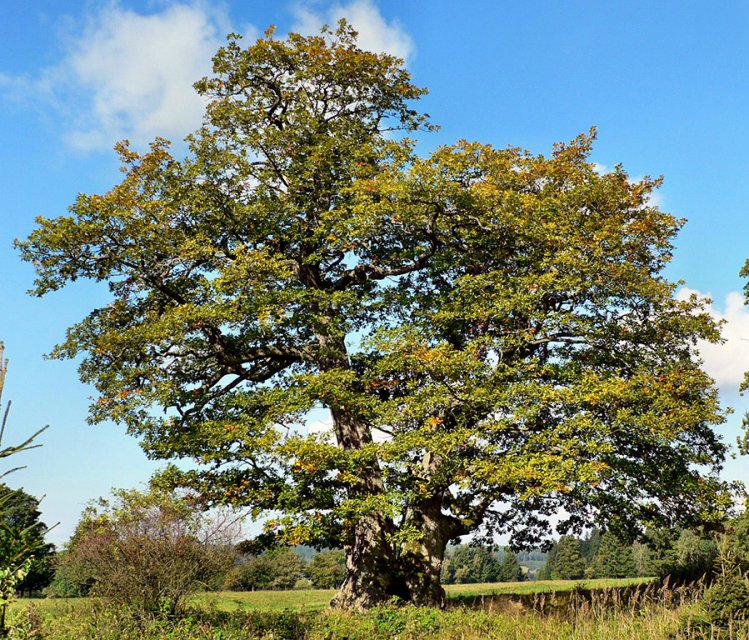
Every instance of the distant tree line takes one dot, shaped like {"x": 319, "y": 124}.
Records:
{"x": 466, "y": 564}
{"x": 286, "y": 568}
{"x": 683, "y": 554}
{"x": 83, "y": 564}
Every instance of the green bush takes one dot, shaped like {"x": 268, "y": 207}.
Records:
{"x": 727, "y": 600}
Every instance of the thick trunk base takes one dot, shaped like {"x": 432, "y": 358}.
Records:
{"x": 374, "y": 575}
{"x": 370, "y": 568}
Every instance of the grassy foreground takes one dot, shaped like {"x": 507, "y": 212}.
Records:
{"x": 408, "y": 623}
{"x": 293, "y": 615}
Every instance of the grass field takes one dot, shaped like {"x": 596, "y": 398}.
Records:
{"x": 295, "y": 615}
{"x": 538, "y": 586}
{"x": 316, "y": 599}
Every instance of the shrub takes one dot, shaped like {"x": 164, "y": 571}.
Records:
{"x": 146, "y": 551}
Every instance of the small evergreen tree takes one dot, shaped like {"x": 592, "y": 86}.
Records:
{"x": 569, "y": 564}
{"x": 548, "y": 569}
{"x": 510, "y": 569}
{"x": 470, "y": 565}
{"x": 615, "y": 558}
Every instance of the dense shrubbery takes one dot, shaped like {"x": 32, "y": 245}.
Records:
{"x": 145, "y": 551}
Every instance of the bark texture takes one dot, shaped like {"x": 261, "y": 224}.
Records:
{"x": 370, "y": 567}
{"x": 421, "y": 560}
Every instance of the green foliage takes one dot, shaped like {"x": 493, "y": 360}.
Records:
{"x": 23, "y": 552}
{"x": 695, "y": 553}
{"x": 276, "y": 569}
{"x": 615, "y": 558}
{"x": 469, "y": 565}
{"x": 502, "y": 316}
{"x": 727, "y": 599}
{"x": 327, "y": 569}
{"x": 590, "y": 544}
{"x": 726, "y": 602}
{"x": 510, "y": 569}
{"x": 21, "y": 530}
{"x": 683, "y": 554}
{"x": 568, "y": 563}
{"x": 548, "y": 569}
{"x": 737, "y": 540}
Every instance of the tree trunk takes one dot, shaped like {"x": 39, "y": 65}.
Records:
{"x": 370, "y": 565}
{"x": 421, "y": 559}
{"x": 370, "y": 560}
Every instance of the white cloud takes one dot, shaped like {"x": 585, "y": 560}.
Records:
{"x": 136, "y": 72}
{"x": 375, "y": 33}
{"x": 124, "y": 74}
{"x": 726, "y": 362}
{"x": 129, "y": 75}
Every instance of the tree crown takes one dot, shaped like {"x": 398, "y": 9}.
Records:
{"x": 489, "y": 328}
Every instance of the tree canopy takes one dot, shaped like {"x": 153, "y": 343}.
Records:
{"x": 490, "y": 330}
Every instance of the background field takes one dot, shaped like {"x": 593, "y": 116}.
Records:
{"x": 316, "y": 599}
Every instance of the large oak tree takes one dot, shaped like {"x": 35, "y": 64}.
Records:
{"x": 490, "y": 330}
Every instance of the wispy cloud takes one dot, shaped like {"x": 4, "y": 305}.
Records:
{"x": 135, "y": 72}
{"x": 125, "y": 74}
{"x": 726, "y": 362}
{"x": 375, "y": 32}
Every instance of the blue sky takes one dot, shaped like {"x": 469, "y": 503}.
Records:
{"x": 667, "y": 85}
